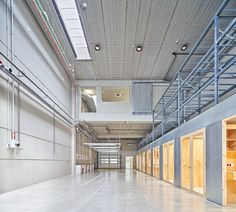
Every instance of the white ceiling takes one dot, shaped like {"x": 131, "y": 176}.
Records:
{"x": 156, "y": 24}
{"x": 109, "y": 94}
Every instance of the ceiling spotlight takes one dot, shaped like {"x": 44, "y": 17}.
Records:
{"x": 184, "y": 47}
{"x": 97, "y": 47}
{"x": 118, "y": 95}
{"x": 83, "y": 5}
{"x": 139, "y": 48}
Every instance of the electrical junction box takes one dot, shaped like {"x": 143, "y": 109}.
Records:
{"x": 14, "y": 144}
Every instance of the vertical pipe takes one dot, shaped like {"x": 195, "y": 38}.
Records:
{"x": 216, "y": 60}
{"x": 7, "y": 46}
{"x": 199, "y": 95}
{"x": 153, "y": 125}
{"x": 183, "y": 99}
{"x": 54, "y": 132}
{"x": 179, "y": 101}
{"x": 8, "y": 78}
{"x": 13, "y": 84}
{"x": 163, "y": 117}
{"x": 18, "y": 113}
{"x": 73, "y": 130}
{"x": 151, "y": 161}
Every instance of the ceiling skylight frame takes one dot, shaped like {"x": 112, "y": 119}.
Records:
{"x": 71, "y": 22}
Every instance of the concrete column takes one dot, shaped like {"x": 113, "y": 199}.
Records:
{"x": 152, "y": 161}
{"x": 214, "y": 176}
{"x": 161, "y": 162}
{"x": 177, "y": 181}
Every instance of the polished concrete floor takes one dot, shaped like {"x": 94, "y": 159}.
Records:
{"x": 123, "y": 191}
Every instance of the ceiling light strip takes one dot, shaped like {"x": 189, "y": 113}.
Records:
{"x": 70, "y": 16}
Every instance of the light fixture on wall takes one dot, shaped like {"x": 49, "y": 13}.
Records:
{"x": 83, "y": 5}
{"x": 97, "y": 47}
{"x": 184, "y": 47}
{"x": 139, "y": 48}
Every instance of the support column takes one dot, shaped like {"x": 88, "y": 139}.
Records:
{"x": 151, "y": 161}
{"x": 73, "y": 131}
{"x": 163, "y": 117}
{"x": 179, "y": 101}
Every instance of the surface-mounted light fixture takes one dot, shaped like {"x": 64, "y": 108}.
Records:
{"x": 184, "y": 47}
{"x": 97, "y": 47}
{"x": 83, "y": 5}
{"x": 68, "y": 12}
{"x": 139, "y": 48}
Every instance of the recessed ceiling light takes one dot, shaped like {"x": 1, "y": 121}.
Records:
{"x": 97, "y": 47}
{"x": 139, "y": 48}
{"x": 118, "y": 95}
{"x": 184, "y": 47}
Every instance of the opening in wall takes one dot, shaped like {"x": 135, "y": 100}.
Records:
{"x": 229, "y": 161}
{"x": 193, "y": 161}
{"x": 88, "y": 100}
{"x": 168, "y": 162}
{"x": 156, "y": 159}
{"x": 149, "y": 158}
{"x": 143, "y": 165}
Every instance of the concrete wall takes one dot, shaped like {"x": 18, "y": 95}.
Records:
{"x": 45, "y": 141}
{"x": 211, "y": 120}
{"x": 84, "y": 154}
{"x": 116, "y": 111}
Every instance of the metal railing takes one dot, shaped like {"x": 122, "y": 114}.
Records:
{"x": 207, "y": 76}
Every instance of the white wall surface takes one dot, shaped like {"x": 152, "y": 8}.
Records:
{"x": 46, "y": 144}
{"x": 117, "y": 111}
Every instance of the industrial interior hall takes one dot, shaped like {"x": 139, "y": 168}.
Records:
{"x": 117, "y": 105}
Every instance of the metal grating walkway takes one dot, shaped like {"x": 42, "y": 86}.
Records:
{"x": 207, "y": 76}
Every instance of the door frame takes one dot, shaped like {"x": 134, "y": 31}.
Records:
{"x": 190, "y": 135}
{"x": 149, "y": 152}
{"x": 158, "y": 150}
{"x": 168, "y": 143}
{"x": 132, "y": 164}
{"x": 224, "y": 160}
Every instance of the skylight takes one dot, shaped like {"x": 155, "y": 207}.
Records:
{"x": 72, "y": 22}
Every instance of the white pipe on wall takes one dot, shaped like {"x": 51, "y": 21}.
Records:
{"x": 8, "y": 78}
{"x": 13, "y": 83}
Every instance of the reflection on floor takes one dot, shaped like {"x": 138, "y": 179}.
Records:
{"x": 105, "y": 191}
